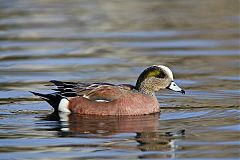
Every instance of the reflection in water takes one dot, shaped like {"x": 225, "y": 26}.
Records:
{"x": 156, "y": 141}
{"x": 146, "y": 127}
{"x": 105, "y": 125}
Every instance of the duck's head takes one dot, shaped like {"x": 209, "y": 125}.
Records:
{"x": 155, "y": 78}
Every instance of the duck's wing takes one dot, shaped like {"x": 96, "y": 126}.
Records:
{"x": 107, "y": 93}
{"x": 72, "y": 89}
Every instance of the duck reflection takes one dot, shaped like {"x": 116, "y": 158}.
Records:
{"x": 105, "y": 125}
{"x": 157, "y": 141}
{"x": 146, "y": 127}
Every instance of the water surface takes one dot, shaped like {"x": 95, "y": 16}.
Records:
{"x": 113, "y": 41}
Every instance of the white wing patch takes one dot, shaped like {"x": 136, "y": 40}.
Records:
{"x": 85, "y": 96}
{"x": 96, "y": 100}
{"x": 101, "y": 100}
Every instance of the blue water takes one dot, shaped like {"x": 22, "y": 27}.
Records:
{"x": 113, "y": 41}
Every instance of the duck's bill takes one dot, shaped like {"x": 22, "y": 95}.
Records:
{"x": 173, "y": 86}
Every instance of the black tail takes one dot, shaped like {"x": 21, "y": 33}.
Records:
{"x": 53, "y": 99}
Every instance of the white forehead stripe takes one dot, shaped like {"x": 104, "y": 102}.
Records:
{"x": 168, "y": 71}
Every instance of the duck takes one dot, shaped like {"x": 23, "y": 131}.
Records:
{"x": 112, "y": 99}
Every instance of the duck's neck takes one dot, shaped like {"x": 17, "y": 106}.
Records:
{"x": 143, "y": 89}
{"x": 143, "y": 86}
{"x": 147, "y": 92}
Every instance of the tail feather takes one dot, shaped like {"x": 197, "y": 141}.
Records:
{"x": 53, "y": 99}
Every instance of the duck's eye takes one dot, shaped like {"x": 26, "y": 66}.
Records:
{"x": 161, "y": 75}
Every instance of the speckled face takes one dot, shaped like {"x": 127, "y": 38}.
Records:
{"x": 153, "y": 74}
{"x": 155, "y": 78}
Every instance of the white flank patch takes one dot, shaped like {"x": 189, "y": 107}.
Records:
{"x": 65, "y": 129}
{"x": 101, "y": 100}
{"x": 63, "y": 106}
{"x": 168, "y": 71}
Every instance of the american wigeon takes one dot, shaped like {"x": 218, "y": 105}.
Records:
{"x": 110, "y": 99}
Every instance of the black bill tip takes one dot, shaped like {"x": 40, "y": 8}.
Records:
{"x": 182, "y": 91}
